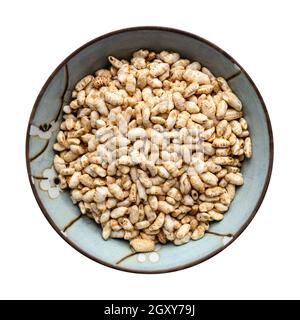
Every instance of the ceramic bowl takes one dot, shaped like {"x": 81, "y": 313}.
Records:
{"x": 82, "y": 233}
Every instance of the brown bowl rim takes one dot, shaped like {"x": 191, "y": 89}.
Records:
{"x": 242, "y": 228}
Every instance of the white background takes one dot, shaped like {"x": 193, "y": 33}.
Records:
{"x": 263, "y": 36}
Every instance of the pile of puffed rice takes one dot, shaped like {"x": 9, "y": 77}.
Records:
{"x": 152, "y": 148}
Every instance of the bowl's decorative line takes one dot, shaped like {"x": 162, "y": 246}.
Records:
{"x": 63, "y": 95}
{"x": 69, "y": 224}
{"x": 218, "y": 234}
{"x": 48, "y": 128}
{"x": 225, "y": 237}
{"x": 234, "y": 75}
{"x": 38, "y": 177}
{"x": 32, "y": 158}
{"x": 127, "y": 256}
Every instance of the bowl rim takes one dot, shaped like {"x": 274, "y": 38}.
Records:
{"x": 259, "y": 201}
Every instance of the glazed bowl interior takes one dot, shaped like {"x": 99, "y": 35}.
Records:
{"x": 81, "y": 232}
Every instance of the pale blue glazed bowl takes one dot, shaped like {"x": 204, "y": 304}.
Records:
{"x": 84, "y": 234}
